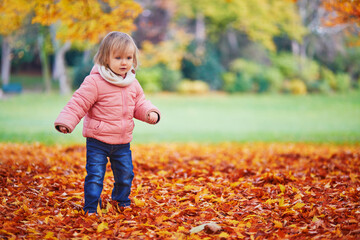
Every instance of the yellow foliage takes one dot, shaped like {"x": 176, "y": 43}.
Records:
{"x": 260, "y": 19}
{"x": 193, "y": 87}
{"x": 87, "y": 21}
{"x": 169, "y": 52}
{"x": 297, "y": 87}
{"x": 13, "y": 14}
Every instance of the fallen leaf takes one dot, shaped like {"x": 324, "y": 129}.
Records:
{"x": 209, "y": 228}
{"x": 278, "y": 224}
{"x": 102, "y": 226}
{"x": 308, "y": 190}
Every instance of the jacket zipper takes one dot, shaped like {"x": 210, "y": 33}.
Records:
{"x": 124, "y": 108}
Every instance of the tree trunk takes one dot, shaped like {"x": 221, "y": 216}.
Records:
{"x": 233, "y": 41}
{"x": 200, "y": 33}
{"x": 5, "y": 61}
{"x": 299, "y": 50}
{"x": 44, "y": 59}
{"x": 59, "y": 67}
{"x": 295, "y": 47}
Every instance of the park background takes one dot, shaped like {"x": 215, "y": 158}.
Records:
{"x": 219, "y": 70}
{"x": 260, "y": 129}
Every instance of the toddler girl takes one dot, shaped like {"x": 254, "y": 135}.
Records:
{"x": 109, "y": 98}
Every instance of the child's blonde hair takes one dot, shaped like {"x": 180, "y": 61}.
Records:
{"x": 115, "y": 42}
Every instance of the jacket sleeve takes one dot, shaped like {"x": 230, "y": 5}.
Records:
{"x": 143, "y": 107}
{"x": 78, "y": 105}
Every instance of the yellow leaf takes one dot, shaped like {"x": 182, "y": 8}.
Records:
{"x": 223, "y": 235}
{"x": 315, "y": 218}
{"x": 149, "y": 225}
{"x": 248, "y": 224}
{"x": 183, "y": 199}
{"x": 138, "y": 188}
{"x": 164, "y": 233}
{"x": 233, "y": 222}
{"x": 102, "y": 226}
{"x": 282, "y": 188}
{"x": 49, "y": 235}
{"x": 72, "y": 197}
{"x": 289, "y": 211}
{"x": 34, "y": 231}
{"x": 298, "y": 205}
{"x": 298, "y": 196}
{"x": 5, "y": 232}
{"x": 271, "y": 201}
{"x": 235, "y": 184}
{"x": 99, "y": 210}
{"x": 294, "y": 189}
{"x": 281, "y": 202}
{"x": 50, "y": 194}
{"x": 139, "y": 203}
{"x": 109, "y": 207}
{"x": 181, "y": 229}
{"x": 162, "y": 173}
{"x": 249, "y": 217}
{"x": 85, "y": 237}
{"x": 278, "y": 224}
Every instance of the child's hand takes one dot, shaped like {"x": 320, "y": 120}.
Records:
{"x": 153, "y": 117}
{"x": 63, "y": 129}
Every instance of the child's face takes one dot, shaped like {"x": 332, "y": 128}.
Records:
{"x": 121, "y": 63}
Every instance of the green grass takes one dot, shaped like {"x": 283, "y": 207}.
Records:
{"x": 209, "y": 119}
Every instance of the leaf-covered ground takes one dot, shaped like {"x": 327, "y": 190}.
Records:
{"x": 187, "y": 191}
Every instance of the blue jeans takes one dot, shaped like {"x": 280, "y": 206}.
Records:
{"x": 97, "y": 154}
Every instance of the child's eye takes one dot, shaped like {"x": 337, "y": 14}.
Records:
{"x": 118, "y": 58}
{"x": 129, "y": 58}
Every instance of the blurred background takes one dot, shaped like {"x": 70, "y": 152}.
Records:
{"x": 220, "y": 70}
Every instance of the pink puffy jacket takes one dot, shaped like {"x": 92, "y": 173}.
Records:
{"x": 108, "y": 109}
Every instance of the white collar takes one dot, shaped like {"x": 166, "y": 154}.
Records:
{"x": 117, "y": 80}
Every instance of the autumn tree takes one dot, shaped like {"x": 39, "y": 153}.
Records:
{"x": 220, "y": 26}
{"x": 157, "y": 36}
{"x": 83, "y": 22}
{"x": 261, "y": 20}
{"x": 325, "y": 21}
{"x": 12, "y": 17}
{"x": 343, "y": 12}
